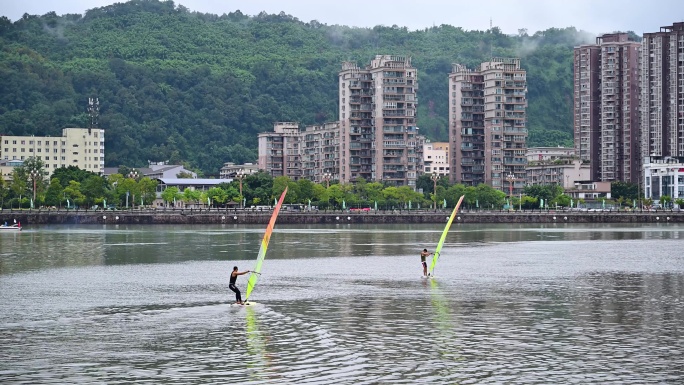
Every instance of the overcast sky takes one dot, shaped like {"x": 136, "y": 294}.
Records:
{"x": 596, "y": 16}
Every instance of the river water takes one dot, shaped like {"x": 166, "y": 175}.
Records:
{"x": 345, "y": 304}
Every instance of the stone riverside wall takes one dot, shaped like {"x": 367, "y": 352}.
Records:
{"x": 38, "y": 217}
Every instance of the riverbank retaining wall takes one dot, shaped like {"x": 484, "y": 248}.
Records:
{"x": 38, "y": 217}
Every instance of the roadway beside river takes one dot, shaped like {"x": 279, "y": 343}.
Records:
{"x": 232, "y": 216}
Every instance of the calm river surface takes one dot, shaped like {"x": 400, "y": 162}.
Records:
{"x": 345, "y": 304}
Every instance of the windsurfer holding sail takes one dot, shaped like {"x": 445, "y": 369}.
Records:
{"x": 231, "y": 286}
{"x": 424, "y": 254}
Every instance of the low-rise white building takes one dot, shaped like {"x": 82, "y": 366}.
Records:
{"x": 230, "y": 169}
{"x": 663, "y": 177}
{"x": 156, "y": 170}
{"x": 550, "y": 154}
{"x": 186, "y": 183}
{"x": 80, "y": 147}
{"x": 436, "y": 158}
{"x": 561, "y": 172}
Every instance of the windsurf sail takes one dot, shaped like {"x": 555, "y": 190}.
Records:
{"x": 254, "y": 275}
{"x": 435, "y": 255}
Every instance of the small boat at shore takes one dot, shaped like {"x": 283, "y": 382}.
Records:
{"x": 15, "y": 227}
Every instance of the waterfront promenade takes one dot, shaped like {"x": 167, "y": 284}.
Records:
{"x": 237, "y": 216}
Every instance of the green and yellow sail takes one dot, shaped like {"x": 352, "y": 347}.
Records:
{"x": 435, "y": 255}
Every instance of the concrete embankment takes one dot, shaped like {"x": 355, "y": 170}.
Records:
{"x": 38, "y": 217}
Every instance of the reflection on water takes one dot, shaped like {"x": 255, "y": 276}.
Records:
{"x": 343, "y": 304}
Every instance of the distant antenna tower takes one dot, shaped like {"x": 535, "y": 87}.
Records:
{"x": 94, "y": 112}
{"x": 491, "y": 45}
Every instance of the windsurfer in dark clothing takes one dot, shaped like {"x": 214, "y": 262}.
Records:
{"x": 424, "y": 254}
{"x": 231, "y": 286}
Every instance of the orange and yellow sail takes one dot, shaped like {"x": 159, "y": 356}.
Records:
{"x": 254, "y": 276}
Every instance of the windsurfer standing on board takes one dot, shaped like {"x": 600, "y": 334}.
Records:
{"x": 424, "y": 254}
{"x": 231, "y": 286}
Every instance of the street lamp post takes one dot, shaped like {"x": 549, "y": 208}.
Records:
{"x": 434, "y": 178}
{"x": 241, "y": 175}
{"x": 326, "y": 178}
{"x": 34, "y": 175}
{"x": 510, "y": 178}
{"x": 133, "y": 175}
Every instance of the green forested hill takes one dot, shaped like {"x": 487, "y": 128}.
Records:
{"x": 197, "y": 88}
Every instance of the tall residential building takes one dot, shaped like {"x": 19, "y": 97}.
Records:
{"x": 80, "y": 147}
{"x": 488, "y": 124}
{"x": 378, "y": 138}
{"x": 279, "y": 151}
{"x": 321, "y": 152}
{"x": 662, "y": 94}
{"x": 606, "y": 113}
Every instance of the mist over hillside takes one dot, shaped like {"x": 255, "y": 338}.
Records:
{"x": 196, "y": 88}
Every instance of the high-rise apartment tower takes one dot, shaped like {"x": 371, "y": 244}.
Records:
{"x": 488, "y": 124}
{"x": 605, "y": 107}
{"x": 662, "y": 93}
{"x": 378, "y": 139}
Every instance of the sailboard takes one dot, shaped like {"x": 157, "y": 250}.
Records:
{"x": 435, "y": 255}
{"x": 254, "y": 274}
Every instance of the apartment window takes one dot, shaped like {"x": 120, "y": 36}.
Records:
{"x": 30, "y": 150}
{"x": 39, "y": 142}
{"x": 39, "y": 150}
{"x": 6, "y": 149}
{"x": 63, "y": 158}
{"x": 23, "y": 149}
{"x": 54, "y": 143}
{"x": 14, "y": 142}
{"x": 47, "y": 158}
{"x": 6, "y": 141}
{"x": 23, "y": 142}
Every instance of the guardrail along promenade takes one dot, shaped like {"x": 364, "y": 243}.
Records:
{"x": 233, "y": 216}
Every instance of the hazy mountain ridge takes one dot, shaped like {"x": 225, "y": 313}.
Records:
{"x": 182, "y": 86}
